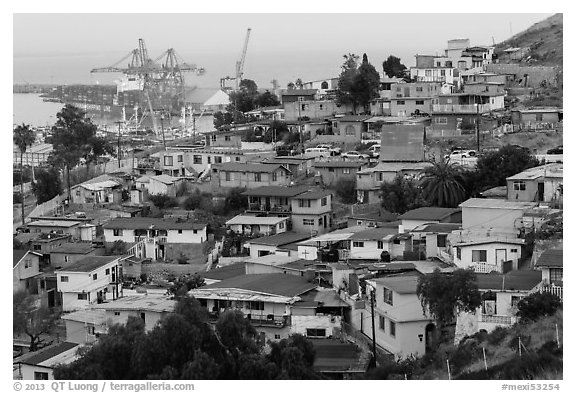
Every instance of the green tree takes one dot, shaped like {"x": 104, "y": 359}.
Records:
{"x": 47, "y": 185}
{"x": 23, "y": 137}
{"x": 442, "y": 184}
{"x": 445, "y": 295}
{"x": 366, "y": 84}
{"x": 32, "y": 318}
{"x": 162, "y": 201}
{"x": 537, "y": 305}
{"x": 183, "y": 284}
{"x": 493, "y": 168}
{"x": 346, "y": 189}
{"x": 74, "y": 137}
{"x": 235, "y": 200}
{"x": 392, "y": 67}
{"x": 401, "y": 194}
{"x": 266, "y": 99}
{"x": 349, "y": 70}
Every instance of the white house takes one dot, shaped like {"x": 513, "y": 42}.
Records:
{"x": 156, "y": 238}
{"x": 498, "y": 215}
{"x": 428, "y": 215}
{"x": 402, "y": 327}
{"x": 370, "y": 243}
{"x": 163, "y": 184}
{"x": 265, "y": 245}
{"x": 84, "y": 326}
{"x": 39, "y": 365}
{"x": 94, "y": 279}
{"x": 255, "y": 225}
{"x": 25, "y": 266}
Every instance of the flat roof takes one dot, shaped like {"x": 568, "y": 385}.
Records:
{"x": 96, "y": 317}
{"x": 225, "y": 272}
{"x": 280, "y": 191}
{"x": 516, "y": 280}
{"x": 395, "y": 166}
{"x": 339, "y": 164}
{"x": 43, "y": 355}
{"x": 74, "y": 248}
{"x": 89, "y": 264}
{"x": 54, "y": 223}
{"x": 275, "y": 284}
{"x": 493, "y": 203}
{"x": 246, "y": 167}
{"x": 442, "y": 227}
{"x": 400, "y": 284}
{"x": 374, "y": 233}
{"x": 313, "y": 194}
{"x": 429, "y": 213}
{"x": 139, "y": 302}
{"x": 152, "y": 223}
{"x": 551, "y": 258}
{"x": 280, "y": 239}
{"x": 549, "y": 170}
{"x": 255, "y": 220}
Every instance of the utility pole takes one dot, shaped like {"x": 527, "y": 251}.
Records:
{"x": 300, "y": 100}
{"x": 478, "y": 128}
{"x": 373, "y": 325}
{"x": 118, "y": 122}
{"x": 162, "y": 125}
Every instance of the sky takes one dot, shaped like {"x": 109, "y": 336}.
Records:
{"x": 282, "y": 46}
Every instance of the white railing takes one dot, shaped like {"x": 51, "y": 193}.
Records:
{"x": 483, "y": 267}
{"x": 497, "y": 319}
{"x": 554, "y": 289}
{"x": 454, "y": 108}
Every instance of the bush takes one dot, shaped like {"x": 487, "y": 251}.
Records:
{"x": 497, "y": 335}
{"x": 538, "y": 305}
{"x": 346, "y": 189}
{"x": 16, "y": 197}
{"x": 193, "y": 201}
{"x": 163, "y": 201}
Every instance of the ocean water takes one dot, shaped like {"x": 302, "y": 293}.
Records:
{"x": 31, "y": 109}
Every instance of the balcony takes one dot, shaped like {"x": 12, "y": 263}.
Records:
{"x": 257, "y": 319}
{"x": 257, "y": 207}
{"x": 452, "y": 108}
{"x": 483, "y": 267}
{"x": 151, "y": 239}
{"x": 497, "y": 319}
{"x": 557, "y": 290}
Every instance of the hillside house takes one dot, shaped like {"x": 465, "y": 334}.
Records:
{"x": 85, "y": 326}
{"x": 312, "y": 212}
{"x": 272, "y": 199}
{"x": 297, "y": 95}
{"x": 537, "y": 118}
{"x": 432, "y": 239}
{"x": 157, "y": 238}
{"x": 331, "y": 171}
{"x": 312, "y": 109}
{"x": 539, "y": 184}
{"x": 223, "y": 138}
{"x": 552, "y": 266}
{"x": 371, "y": 243}
{"x": 70, "y": 253}
{"x": 300, "y": 166}
{"x": 429, "y": 215}
{"x": 104, "y": 192}
{"x": 257, "y": 226}
{"x": 25, "y": 269}
{"x": 274, "y": 244}
{"x": 93, "y": 279}
{"x": 461, "y": 111}
{"x": 39, "y": 365}
{"x": 413, "y": 98}
{"x": 497, "y": 215}
{"x": 234, "y": 175}
{"x": 163, "y": 184}
{"x": 402, "y": 327}
{"x": 56, "y": 227}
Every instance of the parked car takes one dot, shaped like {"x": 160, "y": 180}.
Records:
{"x": 334, "y": 151}
{"x": 461, "y": 154}
{"x": 320, "y": 152}
{"x": 374, "y": 151}
{"x": 355, "y": 155}
{"x": 556, "y": 150}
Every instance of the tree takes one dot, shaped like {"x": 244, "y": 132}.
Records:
{"x": 442, "y": 184}
{"x": 249, "y": 86}
{"x": 294, "y": 357}
{"x": 537, "y": 305}
{"x": 298, "y": 83}
{"x": 290, "y": 86}
{"x": 346, "y": 189}
{"x": 183, "y": 284}
{"x": 119, "y": 247}
{"x": 493, "y": 168}
{"x": 446, "y": 294}
{"x": 47, "y": 185}
{"x": 235, "y": 200}
{"x": 74, "y": 137}
{"x": 266, "y": 99}
{"x": 23, "y": 138}
{"x": 392, "y": 67}
{"x": 162, "y": 201}
{"x": 32, "y": 318}
{"x": 344, "y": 93}
{"x": 366, "y": 84}
{"x": 401, "y": 194}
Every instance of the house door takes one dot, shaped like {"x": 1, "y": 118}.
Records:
{"x": 540, "y": 192}
{"x": 51, "y": 298}
{"x": 501, "y": 256}
{"x": 429, "y": 337}
{"x": 267, "y": 203}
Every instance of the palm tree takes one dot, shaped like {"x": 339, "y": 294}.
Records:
{"x": 443, "y": 184}
{"x": 23, "y": 137}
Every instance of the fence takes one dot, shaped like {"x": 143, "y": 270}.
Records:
{"x": 47, "y": 208}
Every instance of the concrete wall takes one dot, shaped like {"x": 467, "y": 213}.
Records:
{"x": 156, "y": 187}
{"x": 150, "y": 320}
{"x": 28, "y": 371}
{"x": 248, "y": 180}
{"x": 298, "y": 223}
{"x": 58, "y": 259}
{"x": 410, "y": 106}
{"x": 331, "y": 175}
{"x": 300, "y": 323}
{"x": 312, "y": 109}
{"x": 500, "y": 220}
{"x": 264, "y": 230}
{"x": 77, "y": 332}
{"x": 466, "y": 254}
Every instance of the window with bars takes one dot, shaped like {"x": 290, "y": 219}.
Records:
{"x": 479, "y": 256}
{"x": 519, "y": 186}
{"x": 556, "y": 274}
{"x": 388, "y": 296}
{"x": 357, "y": 244}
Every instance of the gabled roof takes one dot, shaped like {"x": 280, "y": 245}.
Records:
{"x": 245, "y": 167}
{"x": 339, "y": 164}
{"x": 274, "y": 284}
{"x": 54, "y": 223}
{"x": 149, "y": 222}
{"x": 429, "y": 213}
{"x": 280, "y": 239}
{"x": 313, "y": 194}
{"x": 516, "y": 280}
{"x": 89, "y": 264}
{"x": 374, "y": 234}
{"x": 98, "y": 186}
{"x": 201, "y": 95}
{"x": 551, "y": 258}
{"x": 277, "y": 191}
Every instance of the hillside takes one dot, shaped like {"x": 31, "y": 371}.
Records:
{"x": 545, "y": 40}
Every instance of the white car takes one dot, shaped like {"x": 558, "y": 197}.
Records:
{"x": 374, "y": 151}
{"x": 461, "y": 154}
{"x": 320, "y": 152}
{"x": 334, "y": 151}
{"x": 355, "y": 155}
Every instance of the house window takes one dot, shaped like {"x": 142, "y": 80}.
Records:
{"x": 350, "y": 130}
{"x": 514, "y": 250}
{"x": 382, "y": 323}
{"x": 95, "y": 276}
{"x": 320, "y": 107}
{"x": 442, "y": 240}
{"x": 555, "y": 275}
{"x": 197, "y": 159}
{"x": 441, "y": 120}
{"x": 428, "y": 73}
{"x": 514, "y": 301}
{"x": 213, "y": 137}
{"x": 40, "y": 376}
{"x": 82, "y": 296}
{"x": 393, "y": 329}
{"x": 324, "y": 201}
{"x": 438, "y": 64}
{"x": 217, "y": 160}
{"x": 357, "y": 244}
{"x": 458, "y": 253}
{"x": 320, "y": 222}
{"x": 308, "y": 221}
{"x": 418, "y": 88}
{"x": 346, "y": 171}
{"x": 236, "y": 158}
{"x": 227, "y": 138}
{"x": 63, "y": 278}
{"x": 330, "y": 169}
{"x": 479, "y": 256}
{"x": 180, "y": 158}
{"x": 442, "y": 72}
{"x": 419, "y": 102}
{"x": 168, "y": 160}
{"x": 519, "y": 186}
{"x": 274, "y": 176}
{"x": 388, "y": 297}
{"x": 276, "y": 337}
{"x": 117, "y": 232}
{"x": 228, "y": 177}
{"x": 281, "y": 225}
{"x": 258, "y": 306}
{"x": 179, "y": 231}
{"x": 303, "y": 202}
{"x": 400, "y": 102}
{"x": 380, "y": 244}
{"x": 258, "y": 177}
{"x": 538, "y": 116}
{"x": 316, "y": 332}
{"x": 107, "y": 272}
{"x": 77, "y": 192}
{"x": 195, "y": 231}
{"x": 37, "y": 247}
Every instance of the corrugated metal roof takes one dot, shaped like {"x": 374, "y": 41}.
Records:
{"x": 280, "y": 191}
{"x": 47, "y": 353}
{"x": 555, "y": 170}
{"x": 516, "y": 280}
{"x": 274, "y": 284}
{"x": 280, "y": 239}
{"x": 255, "y": 220}
{"x": 429, "y": 213}
{"x": 551, "y": 258}
{"x": 487, "y": 203}
{"x": 149, "y": 222}
{"x": 89, "y": 264}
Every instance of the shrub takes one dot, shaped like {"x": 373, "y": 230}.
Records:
{"x": 497, "y": 335}
{"x": 346, "y": 189}
{"x": 538, "y": 305}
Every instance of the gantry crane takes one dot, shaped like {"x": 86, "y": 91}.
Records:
{"x": 239, "y": 65}
{"x": 162, "y": 78}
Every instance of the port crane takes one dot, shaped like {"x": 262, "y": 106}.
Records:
{"x": 161, "y": 79}
{"x": 239, "y": 65}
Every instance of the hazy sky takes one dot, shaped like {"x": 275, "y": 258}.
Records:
{"x": 282, "y": 46}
